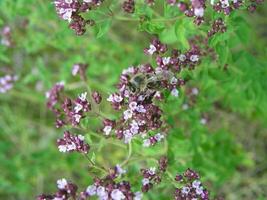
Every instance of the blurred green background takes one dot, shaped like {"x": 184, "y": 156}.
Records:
{"x": 229, "y": 151}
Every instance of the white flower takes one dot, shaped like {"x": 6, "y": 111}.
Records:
{"x": 225, "y": 3}
{"x": 117, "y": 195}
{"x": 130, "y": 70}
{"x": 159, "y": 137}
{"x": 62, "y": 148}
{"x": 101, "y": 191}
{"x": 185, "y": 106}
{"x": 185, "y": 190}
{"x": 58, "y": 198}
{"x": 141, "y": 109}
{"x": 83, "y": 96}
{"x": 146, "y": 143}
{"x": 87, "y": 1}
{"x": 203, "y": 121}
{"x": 133, "y": 105}
{"x": 71, "y": 147}
{"x": 78, "y": 107}
{"x": 91, "y": 190}
{"x": 145, "y": 181}
{"x": 110, "y": 98}
{"x": 107, "y": 130}
{"x": 196, "y": 184}
{"x": 199, "y": 12}
{"x": 195, "y": 91}
{"x": 199, "y": 190}
{"x": 69, "y": 1}
{"x": 182, "y": 57}
{"x": 104, "y": 197}
{"x": 134, "y": 127}
{"x": 175, "y": 92}
{"x": 158, "y": 70}
{"x": 117, "y": 98}
{"x": 81, "y": 137}
{"x": 120, "y": 171}
{"x": 127, "y": 136}
{"x": 194, "y": 58}
{"x": 173, "y": 80}
{"x": 141, "y": 123}
{"x": 158, "y": 94}
{"x": 126, "y": 93}
{"x": 77, "y": 118}
{"x": 166, "y": 60}
{"x": 127, "y": 114}
{"x": 151, "y": 49}
{"x": 141, "y": 98}
{"x": 75, "y": 69}
{"x": 134, "y": 130}
{"x": 138, "y": 195}
{"x": 62, "y": 183}
{"x": 152, "y": 170}
{"x": 67, "y": 13}
{"x": 114, "y": 98}
{"x": 134, "y": 124}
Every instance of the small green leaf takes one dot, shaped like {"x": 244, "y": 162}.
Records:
{"x": 180, "y": 33}
{"x": 103, "y": 27}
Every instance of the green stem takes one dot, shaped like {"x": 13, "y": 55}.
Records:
{"x": 129, "y": 155}
{"x": 93, "y": 165}
{"x": 172, "y": 179}
{"x": 122, "y": 18}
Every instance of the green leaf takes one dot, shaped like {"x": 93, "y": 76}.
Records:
{"x": 223, "y": 52}
{"x": 103, "y": 27}
{"x": 180, "y": 33}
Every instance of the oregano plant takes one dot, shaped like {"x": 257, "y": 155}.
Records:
{"x": 146, "y": 135}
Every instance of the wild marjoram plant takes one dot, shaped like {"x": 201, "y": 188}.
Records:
{"x": 141, "y": 91}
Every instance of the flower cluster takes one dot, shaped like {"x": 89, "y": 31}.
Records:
{"x": 67, "y": 111}
{"x": 204, "y": 47}
{"x": 6, "y": 83}
{"x": 141, "y": 86}
{"x": 196, "y": 8}
{"x": 71, "y": 11}
{"x": 70, "y": 143}
{"x": 75, "y": 110}
{"x": 66, "y": 190}
{"x": 128, "y": 6}
{"x": 217, "y": 26}
{"x": 108, "y": 189}
{"x": 139, "y": 91}
{"x": 5, "y": 34}
{"x": 192, "y": 187}
{"x": 226, "y": 6}
{"x": 253, "y": 5}
{"x": 153, "y": 175}
{"x": 53, "y": 96}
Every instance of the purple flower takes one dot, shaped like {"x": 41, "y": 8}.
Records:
{"x": 7, "y": 82}
{"x": 72, "y": 143}
{"x": 128, "y": 6}
{"x": 191, "y": 187}
{"x": 70, "y": 10}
